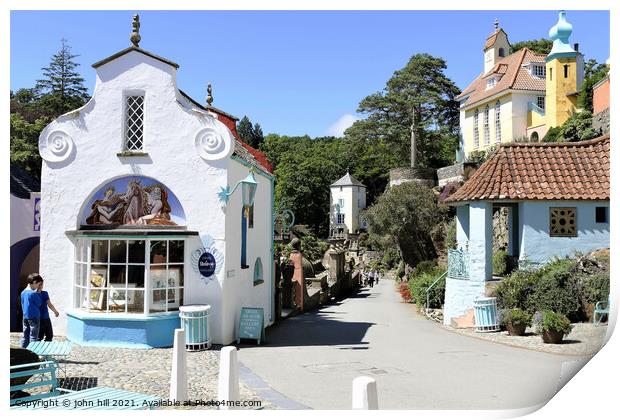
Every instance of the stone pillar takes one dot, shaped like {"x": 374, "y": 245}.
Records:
{"x": 462, "y": 226}
{"x": 178, "y": 376}
{"x": 228, "y": 377}
{"x": 364, "y": 394}
{"x": 299, "y": 282}
{"x": 480, "y": 241}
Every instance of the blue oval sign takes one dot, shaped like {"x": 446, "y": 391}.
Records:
{"x": 206, "y": 264}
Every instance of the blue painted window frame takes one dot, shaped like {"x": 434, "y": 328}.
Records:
{"x": 244, "y": 237}
{"x": 258, "y": 272}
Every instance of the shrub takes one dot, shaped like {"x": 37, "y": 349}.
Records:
{"x": 556, "y": 289}
{"x": 403, "y": 289}
{"x": 449, "y": 189}
{"x": 514, "y": 290}
{"x": 593, "y": 288}
{"x": 390, "y": 259}
{"x": 500, "y": 262}
{"x": 552, "y": 321}
{"x": 516, "y": 317}
{"x": 450, "y": 240}
{"x": 400, "y": 271}
{"x": 421, "y": 278}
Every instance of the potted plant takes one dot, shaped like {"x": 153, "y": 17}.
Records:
{"x": 552, "y": 326}
{"x": 516, "y": 321}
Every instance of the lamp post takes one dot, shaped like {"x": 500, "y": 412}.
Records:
{"x": 248, "y": 190}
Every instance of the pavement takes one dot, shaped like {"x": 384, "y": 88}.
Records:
{"x": 310, "y": 360}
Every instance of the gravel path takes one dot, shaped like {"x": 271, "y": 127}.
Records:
{"x": 145, "y": 371}
{"x": 584, "y": 340}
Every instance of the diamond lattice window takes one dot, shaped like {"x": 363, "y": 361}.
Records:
{"x": 562, "y": 221}
{"x": 134, "y": 122}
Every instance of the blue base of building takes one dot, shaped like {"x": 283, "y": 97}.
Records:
{"x": 109, "y": 330}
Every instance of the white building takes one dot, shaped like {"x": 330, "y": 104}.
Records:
{"x": 347, "y": 200}
{"x": 25, "y": 225}
{"x": 557, "y": 195}
{"x": 143, "y": 214}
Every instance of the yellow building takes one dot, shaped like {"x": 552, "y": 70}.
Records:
{"x": 519, "y": 96}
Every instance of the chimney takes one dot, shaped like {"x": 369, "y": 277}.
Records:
{"x": 576, "y": 46}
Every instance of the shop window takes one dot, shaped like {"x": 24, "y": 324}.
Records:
{"x": 134, "y": 122}
{"x": 137, "y": 276}
{"x": 601, "y": 215}
{"x": 563, "y": 221}
{"x": 244, "y": 236}
{"x": 258, "y": 272}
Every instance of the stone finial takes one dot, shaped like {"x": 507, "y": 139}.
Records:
{"x": 496, "y": 24}
{"x": 209, "y": 94}
{"x": 135, "y": 34}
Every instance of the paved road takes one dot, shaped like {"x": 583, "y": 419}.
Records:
{"x": 313, "y": 358}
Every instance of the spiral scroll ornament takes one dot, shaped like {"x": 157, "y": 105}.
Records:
{"x": 56, "y": 147}
{"x": 212, "y": 144}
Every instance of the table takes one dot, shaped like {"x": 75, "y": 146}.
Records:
{"x": 52, "y": 351}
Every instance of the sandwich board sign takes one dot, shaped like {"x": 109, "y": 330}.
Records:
{"x": 251, "y": 324}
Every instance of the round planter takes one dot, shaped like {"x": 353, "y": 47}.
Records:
{"x": 552, "y": 337}
{"x": 516, "y": 329}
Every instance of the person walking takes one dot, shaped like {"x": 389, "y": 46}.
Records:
{"x": 377, "y": 275}
{"x": 371, "y": 279}
{"x": 46, "y": 331}
{"x": 31, "y": 308}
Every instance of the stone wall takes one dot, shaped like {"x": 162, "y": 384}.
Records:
{"x": 424, "y": 176}
{"x": 600, "y": 121}
{"x": 455, "y": 172}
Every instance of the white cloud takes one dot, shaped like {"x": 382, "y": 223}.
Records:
{"x": 344, "y": 122}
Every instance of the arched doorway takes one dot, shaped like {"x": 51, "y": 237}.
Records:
{"x": 24, "y": 260}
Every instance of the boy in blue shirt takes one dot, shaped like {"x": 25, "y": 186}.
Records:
{"x": 31, "y": 308}
{"x": 45, "y": 330}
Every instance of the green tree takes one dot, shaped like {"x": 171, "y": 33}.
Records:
{"x": 404, "y": 217}
{"x": 419, "y": 89}
{"x": 244, "y": 129}
{"x": 594, "y": 72}
{"x": 257, "y": 136}
{"x": 24, "y": 143}
{"x": 577, "y": 128}
{"x": 62, "y": 88}
{"x": 539, "y": 46}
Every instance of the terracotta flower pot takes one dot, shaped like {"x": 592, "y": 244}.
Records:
{"x": 552, "y": 337}
{"x": 516, "y": 329}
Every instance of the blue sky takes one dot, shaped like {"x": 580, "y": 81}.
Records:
{"x": 293, "y": 72}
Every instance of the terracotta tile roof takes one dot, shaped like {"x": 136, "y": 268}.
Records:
{"x": 491, "y": 39}
{"x": 541, "y": 171}
{"x": 22, "y": 183}
{"x": 512, "y": 76}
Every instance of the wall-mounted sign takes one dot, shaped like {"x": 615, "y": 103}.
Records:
{"x": 251, "y": 324}
{"x": 133, "y": 200}
{"x": 206, "y": 264}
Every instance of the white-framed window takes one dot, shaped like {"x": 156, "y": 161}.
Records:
{"x": 490, "y": 82}
{"x": 134, "y": 122}
{"x": 539, "y": 70}
{"x": 540, "y": 102}
{"x": 129, "y": 275}
{"x": 487, "y": 135}
{"x": 340, "y": 218}
{"x": 498, "y": 122}
{"x": 476, "y": 130}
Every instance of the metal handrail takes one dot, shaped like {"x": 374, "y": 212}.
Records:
{"x": 430, "y": 287}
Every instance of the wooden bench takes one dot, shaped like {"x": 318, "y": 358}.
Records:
{"x": 601, "y": 308}
{"x": 41, "y": 377}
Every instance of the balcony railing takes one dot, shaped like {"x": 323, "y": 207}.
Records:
{"x": 458, "y": 264}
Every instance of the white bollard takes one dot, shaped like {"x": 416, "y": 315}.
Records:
{"x": 228, "y": 378}
{"x": 365, "y": 394}
{"x": 178, "y": 378}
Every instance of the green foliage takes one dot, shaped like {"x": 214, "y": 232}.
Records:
{"x": 313, "y": 248}
{"x": 450, "y": 239}
{"x": 421, "y": 278}
{"x": 404, "y": 216}
{"x": 400, "y": 271}
{"x": 60, "y": 90}
{"x": 577, "y": 128}
{"x": 514, "y": 290}
{"x": 547, "y": 321}
{"x": 478, "y": 157}
{"x": 516, "y": 317}
{"x": 390, "y": 259}
{"x": 539, "y": 46}
{"x": 594, "y": 73}
{"x": 593, "y": 288}
{"x": 252, "y": 135}
{"x": 500, "y": 263}
{"x": 420, "y": 88}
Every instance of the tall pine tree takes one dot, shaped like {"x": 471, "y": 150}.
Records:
{"x": 244, "y": 128}
{"x": 62, "y": 88}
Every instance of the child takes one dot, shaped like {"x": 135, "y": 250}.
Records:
{"x": 45, "y": 331}
{"x": 31, "y": 308}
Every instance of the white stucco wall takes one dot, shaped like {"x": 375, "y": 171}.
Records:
{"x": 239, "y": 289}
{"x": 22, "y": 218}
{"x": 538, "y": 246}
{"x": 171, "y": 126}
{"x": 354, "y": 201}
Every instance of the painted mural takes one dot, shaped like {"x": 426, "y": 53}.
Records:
{"x": 133, "y": 201}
